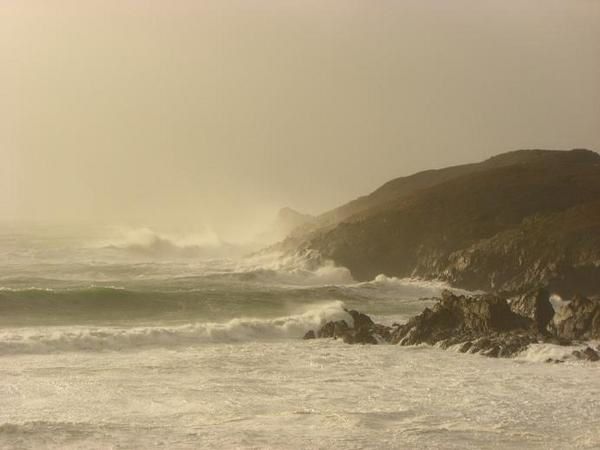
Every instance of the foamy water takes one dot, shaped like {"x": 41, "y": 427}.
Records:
{"x": 100, "y": 348}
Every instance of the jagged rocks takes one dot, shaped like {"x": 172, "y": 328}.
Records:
{"x": 484, "y": 324}
{"x": 577, "y": 320}
{"x": 536, "y": 306}
{"x": 361, "y": 321}
{"x": 591, "y": 354}
{"x": 310, "y": 334}
{"x": 588, "y": 354}
{"x": 457, "y": 317}
{"x": 326, "y": 330}
{"x": 338, "y": 329}
{"x": 363, "y": 330}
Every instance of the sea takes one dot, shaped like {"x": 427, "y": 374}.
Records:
{"x": 131, "y": 339}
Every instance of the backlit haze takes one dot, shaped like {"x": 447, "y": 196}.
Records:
{"x": 195, "y": 115}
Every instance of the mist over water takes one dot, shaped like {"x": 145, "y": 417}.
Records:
{"x": 140, "y": 339}
{"x": 216, "y": 114}
{"x": 145, "y": 149}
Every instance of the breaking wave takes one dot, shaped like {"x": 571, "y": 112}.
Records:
{"x": 327, "y": 275}
{"x": 553, "y": 352}
{"x": 413, "y": 286}
{"x": 69, "y": 339}
{"x": 300, "y": 269}
{"x": 147, "y": 242}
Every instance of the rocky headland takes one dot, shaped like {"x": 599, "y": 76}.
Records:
{"x": 505, "y": 225}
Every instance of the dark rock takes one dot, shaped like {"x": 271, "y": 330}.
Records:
{"x": 337, "y": 329}
{"x": 370, "y": 336}
{"x": 536, "y": 306}
{"x": 363, "y": 336}
{"x": 466, "y": 347}
{"x": 591, "y": 354}
{"x": 340, "y": 329}
{"x": 556, "y": 340}
{"x": 326, "y": 330}
{"x": 482, "y": 324}
{"x": 363, "y": 331}
{"x": 458, "y": 314}
{"x": 383, "y": 332}
{"x": 577, "y": 320}
{"x": 516, "y": 221}
{"x": 493, "y": 352}
{"x": 309, "y": 335}
{"x": 361, "y": 321}
{"x": 588, "y": 354}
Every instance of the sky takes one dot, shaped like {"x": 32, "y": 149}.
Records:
{"x": 216, "y": 113}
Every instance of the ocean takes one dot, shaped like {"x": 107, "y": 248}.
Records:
{"x": 148, "y": 341}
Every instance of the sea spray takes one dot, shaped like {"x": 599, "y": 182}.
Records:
{"x": 78, "y": 338}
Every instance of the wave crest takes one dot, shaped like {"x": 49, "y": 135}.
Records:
{"x": 414, "y": 286}
{"x": 68, "y": 339}
{"x": 147, "y": 242}
{"x": 302, "y": 268}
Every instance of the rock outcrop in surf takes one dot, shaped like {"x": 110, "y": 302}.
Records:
{"x": 362, "y": 331}
{"x": 487, "y": 324}
{"x": 535, "y": 305}
{"x": 579, "y": 319}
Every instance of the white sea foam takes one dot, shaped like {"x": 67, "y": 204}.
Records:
{"x": 148, "y": 238}
{"x": 303, "y": 268}
{"x": 322, "y": 276}
{"x": 78, "y": 338}
{"x": 25, "y": 289}
{"x": 149, "y": 242}
{"x": 251, "y": 382}
{"x": 557, "y": 301}
{"x": 415, "y": 286}
{"x": 267, "y": 395}
{"x": 553, "y": 352}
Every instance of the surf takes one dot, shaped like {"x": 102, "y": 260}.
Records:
{"x": 95, "y": 339}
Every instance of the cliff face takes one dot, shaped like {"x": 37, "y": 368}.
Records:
{"x": 558, "y": 250}
{"x": 517, "y": 220}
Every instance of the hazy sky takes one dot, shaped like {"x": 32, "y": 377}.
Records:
{"x": 216, "y": 112}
